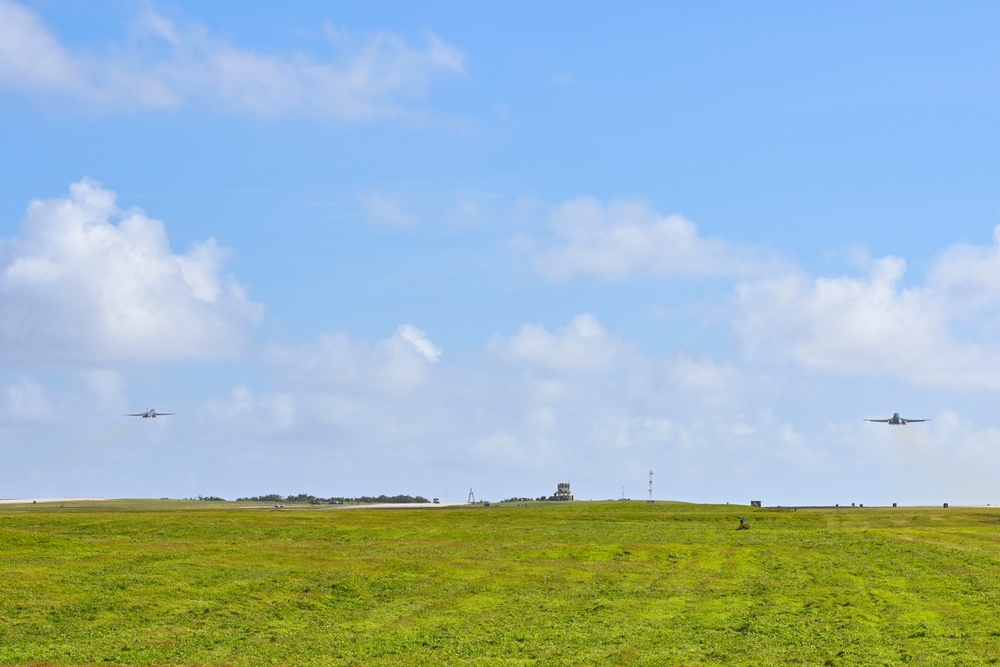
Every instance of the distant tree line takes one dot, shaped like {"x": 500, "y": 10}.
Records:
{"x": 313, "y": 500}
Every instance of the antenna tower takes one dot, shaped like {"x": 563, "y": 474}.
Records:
{"x": 472, "y": 496}
{"x": 650, "y": 486}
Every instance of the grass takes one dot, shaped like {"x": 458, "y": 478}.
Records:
{"x": 172, "y": 582}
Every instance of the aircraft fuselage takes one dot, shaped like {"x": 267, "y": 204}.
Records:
{"x": 896, "y": 420}
{"x": 149, "y": 414}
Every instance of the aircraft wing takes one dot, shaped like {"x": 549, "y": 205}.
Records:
{"x": 136, "y": 414}
{"x": 885, "y": 421}
{"x": 915, "y": 420}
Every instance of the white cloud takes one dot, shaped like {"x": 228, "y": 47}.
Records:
{"x": 398, "y": 364}
{"x": 549, "y": 389}
{"x": 945, "y": 333}
{"x": 85, "y": 282}
{"x": 968, "y": 276}
{"x": 419, "y": 341}
{"x": 30, "y": 57}
{"x": 583, "y": 346}
{"x": 165, "y": 66}
{"x": 582, "y": 361}
{"x": 627, "y": 238}
{"x": 338, "y": 418}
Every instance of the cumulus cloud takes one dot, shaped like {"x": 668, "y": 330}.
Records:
{"x": 583, "y": 346}
{"x": 336, "y": 362}
{"x": 340, "y": 414}
{"x": 583, "y": 361}
{"x": 419, "y": 341}
{"x": 86, "y": 282}
{"x": 943, "y": 333}
{"x": 627, "y": 238}
{"x": 968, "y": 276}
{"x": 165, "y": 65}
{"x": 536, "y": 387}
{"x": 532, "y": 404}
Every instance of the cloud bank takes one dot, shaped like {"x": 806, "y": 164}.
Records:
{"x": 532, "y": 407}
{"x": 85, "y": 282}
{"x": 945, "y": 333}
{"x": 165, "y": 65}
{"x": 627, "y": 238}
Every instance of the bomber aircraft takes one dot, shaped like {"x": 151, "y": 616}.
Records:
{"x": 896, "y": 420}
{"x": 149, "y": 414}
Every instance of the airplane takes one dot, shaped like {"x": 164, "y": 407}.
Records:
{"x": 896, "y": 420}
{"x": 149, "y": 414}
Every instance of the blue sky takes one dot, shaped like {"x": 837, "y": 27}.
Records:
{"x": 417, "y": 248}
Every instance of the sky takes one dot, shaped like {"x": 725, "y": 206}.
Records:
{"x": 423, "y": 248}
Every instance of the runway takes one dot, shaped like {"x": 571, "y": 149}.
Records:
{"x": 21, "y": 501}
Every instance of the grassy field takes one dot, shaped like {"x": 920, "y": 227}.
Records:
{"x": 171, "y": 582}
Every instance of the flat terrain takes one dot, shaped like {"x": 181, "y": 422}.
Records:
{"x": 208, "y": 583}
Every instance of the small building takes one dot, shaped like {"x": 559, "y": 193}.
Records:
{"x": 563, "y": 492}
{"x": 754, "y": 503}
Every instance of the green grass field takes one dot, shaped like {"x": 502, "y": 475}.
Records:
{"x": 187, "y": 583}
